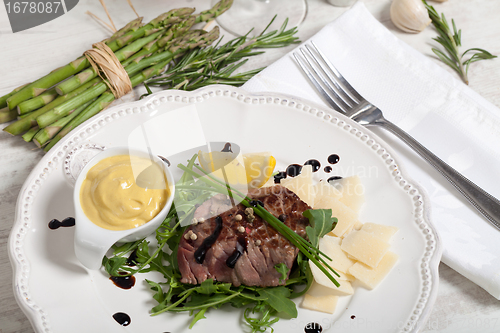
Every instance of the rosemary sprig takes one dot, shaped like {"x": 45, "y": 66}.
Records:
{"x": 451, "y": 41}
{"x": 218, "y": 64}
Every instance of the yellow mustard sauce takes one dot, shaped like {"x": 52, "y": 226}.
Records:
{"x": 111, "y": 198}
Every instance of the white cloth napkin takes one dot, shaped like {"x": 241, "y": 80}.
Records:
{"x": 438, "y": 110}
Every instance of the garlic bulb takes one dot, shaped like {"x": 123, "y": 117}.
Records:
{"x": 409, "y": 15}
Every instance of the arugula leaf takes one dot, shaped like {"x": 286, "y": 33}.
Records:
{"x": 208, "y": 287}
{"x": 159, "y": 295}
{"x": 322, "y": 223}
{"x": 199, "y": 315}
{"x": 282, "y": 268}
{"x": 260, "y": 324}
{"x": 277, "y": 298}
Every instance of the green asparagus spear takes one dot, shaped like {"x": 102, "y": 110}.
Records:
{"x": 45, "y": 134}
{"x": 3, "y": 99}
{"x": 174, "y": 31}
{"x": 28, "y": 136}
{"x": 210, "y": 14}
{"x": 7, "y": 115}
{"x": 37, "y": 102}
{"x": 101, "y": 103}
{"x": 131, "y": 26}
{"x": 178, "y": 46}
{"x": 25, "y": 123}
{"x": 68, "y": 106}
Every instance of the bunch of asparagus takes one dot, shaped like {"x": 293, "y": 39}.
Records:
{"x": 49, "y": 108}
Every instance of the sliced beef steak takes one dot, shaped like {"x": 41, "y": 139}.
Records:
{"x": 241, "y": 251}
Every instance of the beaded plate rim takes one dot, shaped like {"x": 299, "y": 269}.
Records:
{"x": 73, "y": 142}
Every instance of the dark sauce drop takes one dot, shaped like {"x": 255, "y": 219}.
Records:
{"x": 124, "y": 282}
{"x": 293, "y": 170}
{"x": 122, "y": 318}
{"x": 333, "y": 159}
{"x": 353, "y": 316}
{"x": 334, "y": 178}
{"x": 67, "y": 222}
{"x": 328, "y": 169}
{"x": 279, "y": 176}
{"x": 164, "y": 160}
{"x": 132, "y": 259}
{"x": 238, "y": 252}
{"x": 227, "y": 148}
{"x": 314, "y": 163}
{"x": 254, "y": 203}
{"x": 200, "y": 253}
{"x": 313, "y": 328}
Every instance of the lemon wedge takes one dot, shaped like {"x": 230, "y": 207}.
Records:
{"x": 259, "y": 168}
{"x": 247, "y": 170}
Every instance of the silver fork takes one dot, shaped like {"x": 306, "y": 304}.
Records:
{"x": 342, "y": 97}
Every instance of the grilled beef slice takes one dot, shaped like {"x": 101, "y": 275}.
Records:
{"x": 220, "y": 251}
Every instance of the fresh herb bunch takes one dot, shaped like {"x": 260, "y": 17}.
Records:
{"x": 451, "y": 41}
{"x": 217, "y": 64}
{"x": 261, "y": 303}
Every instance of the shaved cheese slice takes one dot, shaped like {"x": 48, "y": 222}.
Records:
{"x": 344, "y": 276}
{"x": 358, "y": 225}
{"x": 325, "y": 303}
{"x": 353, "y": 192}
{"x": 371, "y": 277}
{"x": 346, "y": 217}
{"x": 331, "y": 247}
{"x": 383, "y": 232}
{"x": 365, "y": 247}
{"x": 302, "y": 185}
{"x": 345, "y": 287}
{"x": 325, "y": 189}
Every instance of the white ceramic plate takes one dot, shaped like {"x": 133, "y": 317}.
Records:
{"x": 59, "y": 295}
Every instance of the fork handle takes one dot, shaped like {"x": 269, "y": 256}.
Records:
{"x": 484, "y": 202}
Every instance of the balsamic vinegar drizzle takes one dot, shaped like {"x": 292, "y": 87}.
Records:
{"x": 67, "y": 222}
{"x": 313, "y": 328}
{"x": 334, "y": 178}
{"x": 314, "y": 163}
{"x": 164, "y": 160}
{"x": 233, "y": 258}
{"x": 201, "y": 252}
{"x": 254, "y": 203}
{"x": 279, "y": 176}
{"x": 124, "y": 282}
{"x": 132, "y": 259}
{"x": 122, "y": 318}
{"x": 293, "y": 170}
{"x": 333, "y": 159}
{"x": 227, "y": 148}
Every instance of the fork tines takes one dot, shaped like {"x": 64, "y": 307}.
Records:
{"x": 337, "y": 92}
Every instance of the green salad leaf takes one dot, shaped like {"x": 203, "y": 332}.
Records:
{"x": 321, "y": 221}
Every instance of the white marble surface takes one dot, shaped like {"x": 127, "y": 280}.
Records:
{"x": 461, "y": 306}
